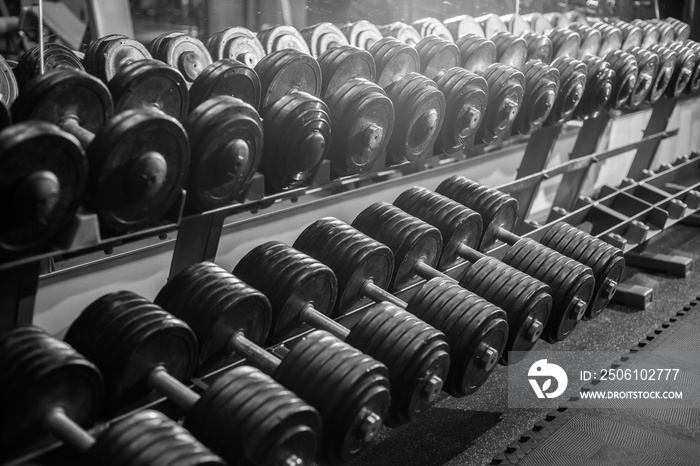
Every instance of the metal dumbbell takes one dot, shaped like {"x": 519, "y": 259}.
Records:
{"x": 296, "y": 122}
{"x": 282, "y": 37}
{"x": 419, "y": 105}
{"x": 611, "y": 38}
{"x": 8, "y": 93}
{"x": 55, "y": 390}
{"x": 591, "y": 40}
{"x": 491, "y": 24}
{"x": 432, "y": 27}
{"x": 140, "y": 348}
{"x": 684, "y": 70}
{"x": 694, "y": 85}
{"x": 349, "y": 389}
{"x": 361, "y": 113}
{"x": 323, "y": 36}
{"x": 56, "y": 57}
{"x": 572, "y": 283}
{"x": 565, "y": 42}
{"x": 302, "y": 291}
{"x": 361, "y": 34}
{"x": 134, "y": 79}
{"x": 541, "y": 90}
{"x": 511, "y": 50}
{"x": 681, "y": 29}
{"x": 237, "y": 43}
{"x": 667, "y": 33}
{"x": 226, "y": 77}
{"x": 664, "y": 75}
{"x": 138, "y": 159}
{"x": 626, "y": 73}
{"x": 364, "y": 267}
{"x": 572, "y": 83}
{"x": 632, "y": 35}
{"x": 648, "y": 66}
{"x": 539, "y": 47}
{"x": 226, "y": 141}
{"x": 557, "y": 19}
{"x": 606, "y": 261}
{"x": 466, "y": 93}
{"x": 402, "y": 32}
{"x": 516, "y": 24}
{"x": 600, "y": 80}
{"x": 538, "y": 23}
{"x": 650, "y": 33}
{"x": 526, "y": 301}
{"x": 185, "y": 53}
{"x": 462, "y": 25}
{"x": 477, "y": 52}
{"x": 506, "y": 93}
{"x": 44, "y": 178}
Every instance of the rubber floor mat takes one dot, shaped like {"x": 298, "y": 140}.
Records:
{"x": 647, "y": 437}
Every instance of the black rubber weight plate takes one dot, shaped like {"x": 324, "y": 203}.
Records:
{"x": 621, "y": 437}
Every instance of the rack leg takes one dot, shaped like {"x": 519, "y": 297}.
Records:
{"x": 18, "y": 287}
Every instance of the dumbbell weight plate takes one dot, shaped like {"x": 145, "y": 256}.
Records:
{"x": 516, "y": 24}
{"x": 363, "y": 121}
{"x": 8, "y": 84}
{"x": 282, "y": 38}
{"x": 283, "y": 71}
{"x": 666, "y": 31}
{"x": 56, "y": 57}
{"x": 611, "y": 38}
{"x": 506, "y": 91}
{"x": 491, "y": 24}
{"x": 667, "y": 66}
{"x": 114, "y": 55}
{"x": 238, "y": 43}
{"x": 432, "y": 27}
{"x": 184, "y": 53}
{"x": 681, "y": 29}
{"x": 362, "y": 34}
{"x": 694, "y": 85}
{"x": 341, "y": 64}
{"x": 150, "y": 84}
{"x": 402, "y": 32}
{"x": 591, "y": 40}
{"x": 226, "y": 137}
{"x": 323, "y": 36}
{"x": 477, "y": 53}
{"x": 512, "y": 50}
{"x": 685, "y": 67}
{"x": 226, "y": 77}
{"x": 39, "y": 372}
{"x": 565, "y": 42}
{"x": 599, "y": 88}
{"x": 462, "y": 25}
{"x": 93, "y": 53}
{"x": 539, "y": 47}
{"x": 466, "y": 97}
{"x": 626, "y": 73}
{"x": 43, "y": 174}
{"x": 648, "y": 64}
{"x": 437, "y": 56}
{"x": 540, "y": 96}
{"x": 573, "y": 83}
{"x": 538, "y": 23}
{"x": 557, "y": 20}
{"x": 138, "y": 165}
{"x": 394, "y": 60}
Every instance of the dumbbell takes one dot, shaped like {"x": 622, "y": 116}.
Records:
{"x": 572, "y": 283}
{"x": 506, "y": 93}
{"x": 667, "y": 33}
{"x": 323, "y": 36}
{"x": 632, "y": 35}
{"x": 477, "y": 52}
{"x": 606, "y": 261}
{"x": 600, "y": 79}
{"x": 541, "y": 90}
{"x": 475, "y": 329}
{"x": 511, "y": 50}
{"x": 361, "y": 34}
{"x": 44, "y": 177}
{"x": 683, "y": 72}
{"x": 185, "y": 53}
{"x": 662, "y": 78}
{"x": 539, "y": 47}
{"x": 572, "y": 84}
{"x": 466, "y": 93}
{"x": 591, "y": 40}
{"x": 694, "y": 85}
{"x": 56, "y": 57}
{"x": 611, "y": 38}
{"x": 557, "y": 19}
{"x": 237, "y": 43}
{"x": 54, "y": 389}
{"x": 681, "y": 29}
{"x": 650, "y": 33}
{"x": 526, "y": 300}
{"x": 226, "y": 77}
{"x": 418, "y": 103}
{"x": 402, "y": 32}
{"x": 282, "y": 37}
{"x": 226, "y": 141}
{"x": 648, "y": 66}
{"x": 626, "y": 72}
{"x": 302, "y": 291}
{"x": 491, "y": 24}
{"x": 538, "y": 23}
{"x": 432, "y": 27}
{"x": 349, "y": 389}
{"x": 296, "y": 122}
{"x": 565, "y": 42}
{"x": 138, "y": 159}
{"x": 462, "y": 25}
{"x": 362, "y": 116}
{"x": 516, "y": 24}
{"x": 8, "y": 91}
{"x": 134, "y": 79}
{"x": 142, "y": 348}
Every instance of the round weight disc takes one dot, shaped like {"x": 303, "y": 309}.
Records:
{"x": 283, "y": 71}
{"x": 491, "y": 24}
{"x": 516, "y": 24}
{"x": 56, "y": 57}
{"x": 226, "y": 142}
{"x": 60, "y": 94}
{"x": 226, "y": 77}
{"x": 138, "y": 164}
{"x": 237, "y": 43}
{"x": 5, "y": 117}
{"x": 341, "y": 64}
{"x": 394, "y": 60}
{"x": 8, "y": 84}
{"x": 43, "y": 174}
{"x": 437, "y": 56}
{"x": 402, "y": 32}
{"x": 462, "y": 25}
{"x": 323, "y": 36}
{"x": 185, "y": 53}
{"x": 150, "y": 84}
{"x": 362, "y": 34}
{"x": 118, "y": 53}
{"x": 279, "y": 38}
{"x": 477, "y": 53}
{"x": 432, "y": 27}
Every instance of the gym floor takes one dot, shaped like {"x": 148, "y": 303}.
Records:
{"x": 474, "y": 429}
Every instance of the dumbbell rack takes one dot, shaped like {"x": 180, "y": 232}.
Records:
{"x": 627, "y": 216}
